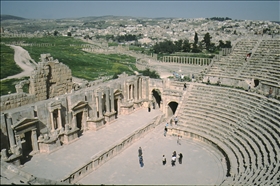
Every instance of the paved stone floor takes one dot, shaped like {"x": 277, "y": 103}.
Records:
{"x": 200, "y": 166}
{"x": 58, "y": 164}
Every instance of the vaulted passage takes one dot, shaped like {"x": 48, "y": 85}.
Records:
{"x": 257, "y": 82}
{"x": 172, "y": 107}
{"x": 157, "y": 97}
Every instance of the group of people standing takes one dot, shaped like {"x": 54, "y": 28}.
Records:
{"x": 165, "y": 128}
{"x": 173, "y": 159}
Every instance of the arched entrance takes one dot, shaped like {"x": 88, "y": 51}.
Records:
{"x": 172, "y": 107}
{"x": 156, "y": 97}
{"x": 256, "y": 82}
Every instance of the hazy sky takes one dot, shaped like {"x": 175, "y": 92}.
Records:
{"x": 245, "y": 10}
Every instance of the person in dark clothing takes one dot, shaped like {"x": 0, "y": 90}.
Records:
{"x": 140, "y": 152}
{"x": 141, "y": 161}
{"x": 163, "y": 160}
{"x": 180, "y": 158}
{"x": 165, "y": 130}
{"x": 185, "y": 86}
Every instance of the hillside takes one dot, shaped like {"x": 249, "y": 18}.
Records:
{"x": 11, "y": 17}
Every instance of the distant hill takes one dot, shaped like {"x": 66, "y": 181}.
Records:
{"x": 10, "y": 17}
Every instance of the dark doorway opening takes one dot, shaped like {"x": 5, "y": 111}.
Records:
{"x": 26, "y": 147}
{"x": 116, "y": 108}
{"x": 156, "y": 94}
{"x": 172, "y": 108}
{"x": 79, "y": 118}
{"x": 256, "y": 82}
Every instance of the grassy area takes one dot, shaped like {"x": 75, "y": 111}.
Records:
{"x": 83, "y": 65}
{"x": 8, "y": 85}
{"x": 8, "y": 65}
{"x": 140, "y": 49}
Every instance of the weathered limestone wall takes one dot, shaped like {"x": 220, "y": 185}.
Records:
{"x": 50, "y": 79}
{"x": 16, "y": 100}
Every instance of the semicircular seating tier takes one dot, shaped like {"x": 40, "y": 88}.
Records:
{"x": 244, "y": 124}
{"x": 263, "y": 65}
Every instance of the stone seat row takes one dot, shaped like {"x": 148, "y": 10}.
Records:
{"x": 247, "y": 151}
{"x": 271, "y": 115}
{"x": 210, "y": 122}
{"x": 215, "y": 120}
{"x": 242, "y": 156}
{"x": 223, "y": 140}
{"x": 247, "y": 99}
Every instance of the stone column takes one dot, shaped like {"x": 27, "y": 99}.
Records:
{"x": 74, "y": 121}
{"x": 135, "y": 91}
{"x": 34, "y": 140}
{"x": 59, "y": 119}
{"x": 147, "y": 88}
{"x": 94, "y": 108}
{"x": 127, "y": 91}
{"x": 107, "y": 101}
{"x": 100, "y": 104}
{"x": 52, "y": 124}
{"x": 124, "y": 92}
{"x": 112, "y": 100}
{"x": 140, "y": 89}
{"x": 84, "y": 119}
{"x": 10, "y": 133}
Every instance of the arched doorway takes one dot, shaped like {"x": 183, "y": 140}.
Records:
{"x": 157, "y": 97}
{"x": 256, "y": 82}
{"x": 172, "y": 107}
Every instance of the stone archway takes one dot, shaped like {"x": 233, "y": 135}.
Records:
{"x": 172, "y": 107}
{"x": 256, "y": 82}
{"x": 156, "y": 97}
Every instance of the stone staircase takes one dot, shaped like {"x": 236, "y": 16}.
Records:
{"x": 244, "y": 124}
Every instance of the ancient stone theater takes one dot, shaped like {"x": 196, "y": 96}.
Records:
{"x": 233, "y": 105}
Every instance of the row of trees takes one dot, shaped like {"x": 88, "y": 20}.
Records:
{"x": 170, "y": 47}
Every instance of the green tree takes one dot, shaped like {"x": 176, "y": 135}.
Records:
{"x": 228, "y": 44}
{"x": 55, "y": 33}
{"x": 186, "y": 46}
{"x": 178, "y": 45}
{"x": 150, "y": 73}
{"x": 195, "y": 38}
{"x": 69, "y": 34}
{"x": 221, "y": 44}
{"x": 195, "y": 48}
{"x": 207, "y": 41}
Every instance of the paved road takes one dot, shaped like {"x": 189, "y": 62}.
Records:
{"x": 70, "y": 157}
{"x": 201, "y": 165}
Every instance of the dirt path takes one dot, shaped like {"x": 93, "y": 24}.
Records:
{"x": 27, "y": 64}
{"x": 24, "y": 61}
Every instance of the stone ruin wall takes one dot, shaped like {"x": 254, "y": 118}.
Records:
{"x": 49, "y": 79}
{"x": 16, "y": 100}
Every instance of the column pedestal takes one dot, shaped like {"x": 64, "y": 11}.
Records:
{"x": 95, "y": 123}
{"x": 126, "y": 108}
{"x": 70, "y": 135}
{"x": 137, "y": 104}
{"x": 110, "y": 116}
